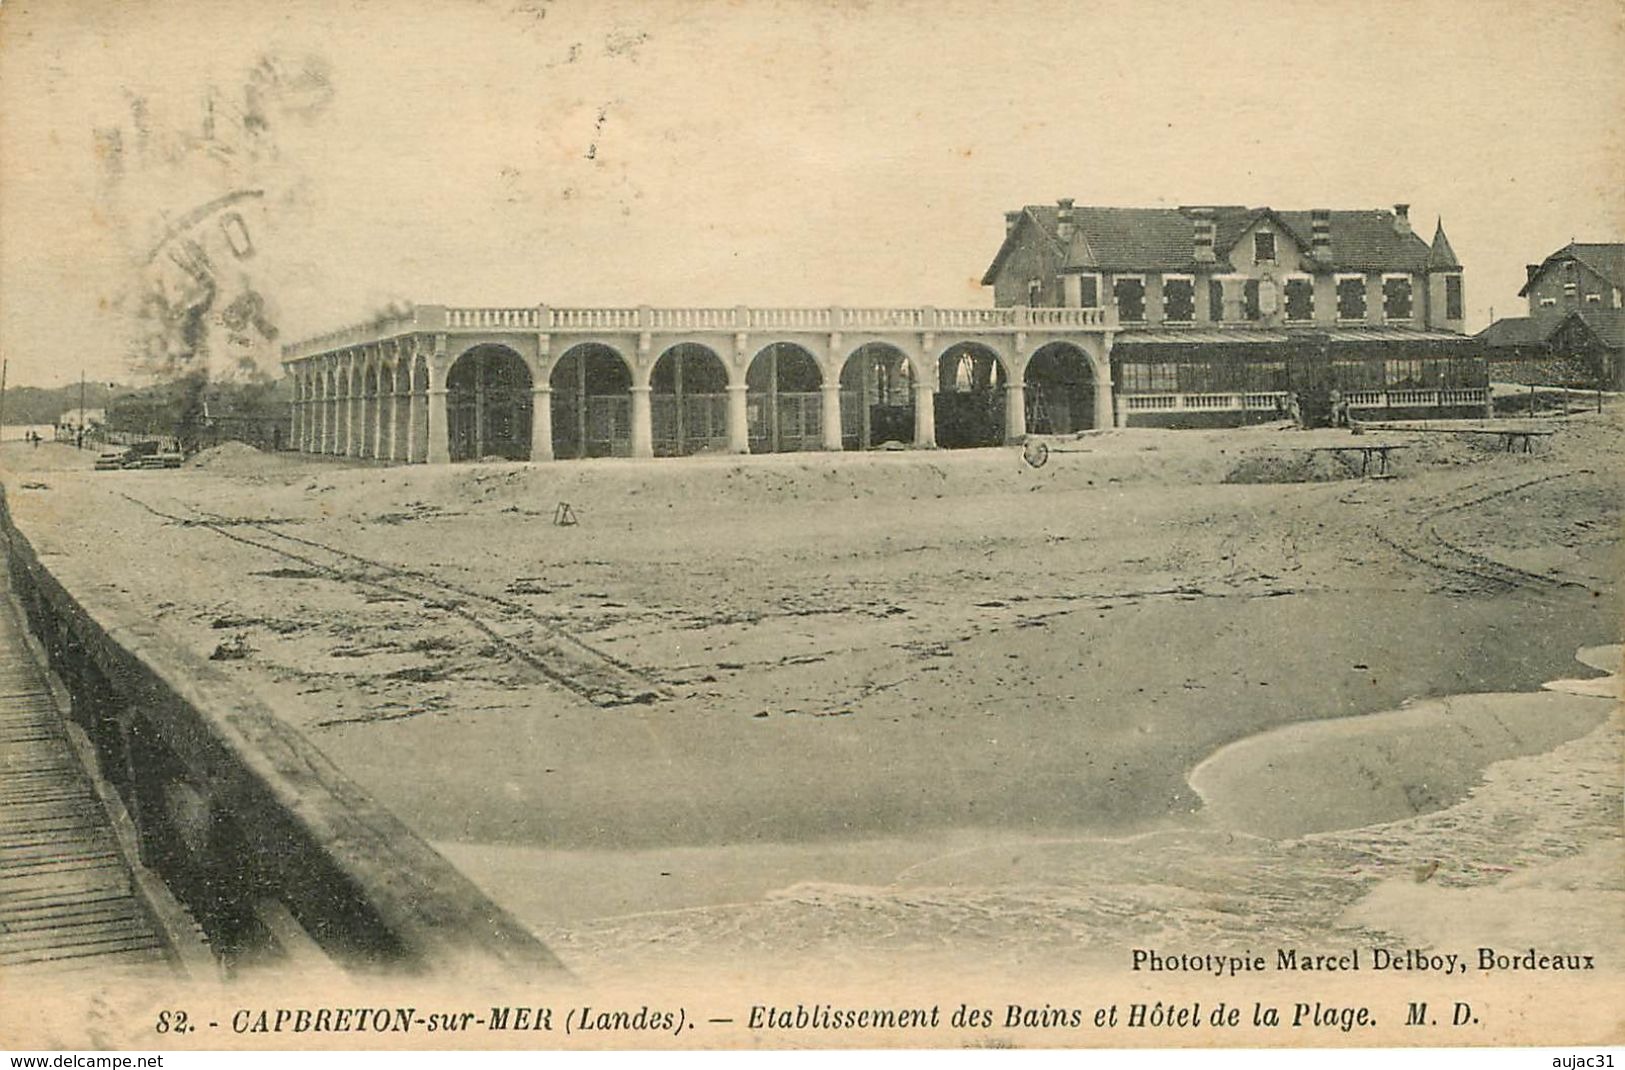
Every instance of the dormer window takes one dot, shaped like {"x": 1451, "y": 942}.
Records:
{"x": 1264, "y": 247}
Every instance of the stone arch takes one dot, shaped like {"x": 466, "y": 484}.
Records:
{"x": 418, "y": 410}
{"x": 592, "y": 402}
{"x": 784, "y": 399}
{"x": 370, "y": 374}
{"x": 688, "y": 400}
{"x": 330, "y": 406}
{"x": 877, "y": 395}
{"x": 1060, "y": 380}
{"x": 488, "y": 403}
{"x": 971, "y": 378}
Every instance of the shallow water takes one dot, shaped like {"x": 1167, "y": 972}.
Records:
{"x": 1345, "y": 773}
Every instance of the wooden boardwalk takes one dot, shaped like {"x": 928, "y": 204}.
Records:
{"x": 66, "y": 897}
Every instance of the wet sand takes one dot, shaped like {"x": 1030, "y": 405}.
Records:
{"x": 886, "y": 671}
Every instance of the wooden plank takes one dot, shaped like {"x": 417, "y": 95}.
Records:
{"x": 96, "y": 931}
{"x": 77, "y": 914}
{"x": 20, "y": 910}
{"x": 101, "y": 947}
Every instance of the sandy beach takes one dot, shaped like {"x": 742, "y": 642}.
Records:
{"x": 924, "y": 703}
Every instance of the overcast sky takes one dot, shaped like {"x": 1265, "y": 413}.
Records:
{"x": 514, "y": 152}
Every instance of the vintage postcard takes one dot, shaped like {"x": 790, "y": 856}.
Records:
{"x": 554, "y": 524}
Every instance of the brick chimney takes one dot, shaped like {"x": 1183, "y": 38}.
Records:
{"x": 1010, "y": 221}
{"x": 1204, "y": 236}
{"x": 1402, "y": 218}
{"x": 1063, "y": 219}
{"x": 1320, "y": 234}
{"x": 1530, "y": 271}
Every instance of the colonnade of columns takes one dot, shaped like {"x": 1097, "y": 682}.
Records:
{"x": 395, "y": 409}
{"x": 346, "y": 407}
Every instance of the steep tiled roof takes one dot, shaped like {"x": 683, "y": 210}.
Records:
{"x": 1605, "y": 258}
{"x": 1608, "y": 324}
{"x": 1440, "y": 256}
{"x": 1161, "y": 239}
{"x": 1516, "y": 331}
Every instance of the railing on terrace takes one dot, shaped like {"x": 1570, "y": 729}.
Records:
{"x": 494, "y": 317}
{"x": 1266, "y": 401}
{"x": 1421, "y": 399}
{"x": 544, "y": 318}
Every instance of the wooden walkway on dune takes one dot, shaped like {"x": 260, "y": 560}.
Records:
{"x": 66, "y": 896}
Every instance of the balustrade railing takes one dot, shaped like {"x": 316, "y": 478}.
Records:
{"x": 429, "y": 318}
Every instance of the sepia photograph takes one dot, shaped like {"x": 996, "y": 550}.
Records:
{"x": 835, "y": 524}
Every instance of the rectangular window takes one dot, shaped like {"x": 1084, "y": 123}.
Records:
{"x": 1215, "y": 300}
{"x": 1034, "y": 289}
{"x": 1403, "y": 373}
{"x": 1593, "y": 299}
{"x": 1129, "y": 290}
{"x": 1300, "y": 299}
{"x": 1249, "y": 299}
{"x": 1264, "y": 247}
{"x": 1178, "y": 298}
{"x": 1351, "y": 297}
{"x": 1452, "y": 297}
{"x": 1547, "y": 302}
{"x": 1570, "y": 289}
{"x": 1150, "y": 378}
{"x": 1089, "y": 289}
{"x": 1396, "y": 297}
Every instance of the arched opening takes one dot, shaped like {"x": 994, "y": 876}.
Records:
{"x": 1060, "y": 394}
{"x": 488, "y": 405}
{"x": 877, "y": 397}
{"x": 688, "y": 401}
{"x": 369, "y": 410}
{"x": 418, "y": 411}
{"x": 592, "y": 403}
{"x": 330, "y": 411}
{"x": 400, "y": 410}
{"x": 970, "y": 397}
{"x": 783, "y": 405}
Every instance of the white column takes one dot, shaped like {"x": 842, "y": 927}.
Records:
{"x": 1103, "y": 398}
{"x": 925, "y": 414}
{"x": 439, "y": 443}
{"x": 831, "y": 414}
{"x": 541, "y": 423}
{"x": 395, "y": 410}
{"x": 355, "y": 421}
{"x": 414, "y": 417}
{"x": 643, "y": 435}
{"x": 738, "y": 419}
{"x": 1015, "y": 410}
